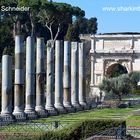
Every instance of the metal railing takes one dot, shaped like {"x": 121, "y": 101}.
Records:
{"x": 117, "y": 133}
{"x": 28, "y": 128}
{"x": 133, "y": 132}
{"x": 113, "y": 133}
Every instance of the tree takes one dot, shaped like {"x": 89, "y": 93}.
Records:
{"x": 72, "y": 33}
{"x": 57, "y": 16}
{"x": 92, "y": 25}
{"x": 32, "y": 20}
{"x": 6, "y": 37}
{"x": 87, "y": 26}
{"x": 46, "y": 19}
{"x": 118, "y": 86}
{"x": 134, "y": 78}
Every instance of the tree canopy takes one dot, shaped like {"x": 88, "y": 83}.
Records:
{"x": 121, "y": 85}
{"x": 47, "y": 19}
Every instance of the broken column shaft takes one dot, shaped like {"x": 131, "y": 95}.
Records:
{"x": 74, "y": 76}
{"x": 30, "y": 78}
{"x": 40, "y": 78}
{"x": 50, "y": 80}
{"x": 82, "y": 84}
{"x": 19, "y": 78}
{"x": 66, "y": 77}
{"x": 6, "y": 112}
{"x": 58, "y": 77}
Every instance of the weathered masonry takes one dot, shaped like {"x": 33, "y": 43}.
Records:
{"x": 59, "y": 87}
{"x": 109, "y": 50}
{"x": 64, "y": 85}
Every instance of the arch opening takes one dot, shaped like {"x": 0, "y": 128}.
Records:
{"x": 115, "y": 70}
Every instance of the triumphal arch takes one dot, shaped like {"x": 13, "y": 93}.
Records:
{"x": 108, "y": 50}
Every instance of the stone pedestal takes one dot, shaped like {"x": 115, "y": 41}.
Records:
{"x": 58, "y": 77}
{"x": 19, "y": 79}
{"x": 30, "y": 79}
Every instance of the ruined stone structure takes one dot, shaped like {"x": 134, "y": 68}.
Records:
{"x": 109, "y": 50}
{"x": 63, "y": 75}
{"x": 64, "y": 89}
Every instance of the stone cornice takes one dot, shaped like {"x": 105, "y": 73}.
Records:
{"x": 118, "y": 36}
{"x": 115, "y": 51}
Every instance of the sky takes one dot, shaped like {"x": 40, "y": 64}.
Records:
{"x": 112, "y": 15}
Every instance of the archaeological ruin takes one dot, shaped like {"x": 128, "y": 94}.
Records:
{"x": 56, "y": 84}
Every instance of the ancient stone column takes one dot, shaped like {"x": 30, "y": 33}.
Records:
{"x": 19, "y": 78}
{"x": 92, "y": 81}
{"x": 82, "y": 84}
{"x": 6, "y": 112}
{"x": 50, "y": 80}
{"x": 74, "y": 76}
{"x": 67, "y": 77}
{"x": 92, "y": 51}
{"x": 30, "y": 78}
{"x": 40, "y": 78}
{"x": 58, "y": 77}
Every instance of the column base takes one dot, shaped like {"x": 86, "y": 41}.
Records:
{"x": 51, "y": 111}
{"x": 84, "y": 105}
{"x": 41, "y": 112}
{"x": 77, "y": 107}
{"x": 69, "y": 108}
{"x": 136, "y": 112}
{"x": 7, "y": 118}
{"x": 20, "y": 116}
{"x": 30, "y": 112}
{"x": 31, "y": 115}
{"x": 61, "y": 109}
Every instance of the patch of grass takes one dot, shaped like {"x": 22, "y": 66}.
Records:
{"x": 113, "y": 113}
{"x": 133, "y": 120}
{"x": 68, "y": 119}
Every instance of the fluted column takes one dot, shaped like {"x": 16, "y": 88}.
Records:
{"x": 40, "y": 79}
{"x": 58, "y": 77}
{"x": 6, "y": 112}
{"x": 30, "y": 78}
{"x": 74, "y": 76}
{"x": 19, "y": 78}
{"x": 67, "y": 77}
{"x": 82, "y": 84}
{"x": 50, "y": 80}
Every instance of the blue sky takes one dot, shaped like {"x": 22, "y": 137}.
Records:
{"x": 112, "y": 15}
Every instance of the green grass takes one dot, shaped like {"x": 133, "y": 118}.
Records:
{"x": 114, "y": 113}
{"x": 68, "y": 119}
{"x": 133, "y": 120}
